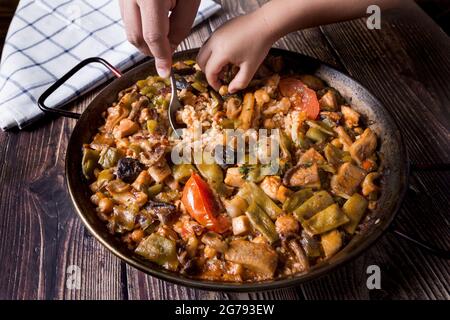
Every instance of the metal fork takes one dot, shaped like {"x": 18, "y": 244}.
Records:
{"x": 174, "y": 105}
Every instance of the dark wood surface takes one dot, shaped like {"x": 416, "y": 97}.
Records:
{"x": 406, "y": 65}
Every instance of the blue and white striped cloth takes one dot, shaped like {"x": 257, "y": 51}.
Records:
{"x": 48, "y": 37}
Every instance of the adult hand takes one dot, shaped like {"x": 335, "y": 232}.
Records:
{"x": 153, "y": 32}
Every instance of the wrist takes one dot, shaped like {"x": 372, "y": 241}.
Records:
{"x": 266, "y": 25}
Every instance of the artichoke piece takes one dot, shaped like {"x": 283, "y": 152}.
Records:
{"x": 89, "y": 162}
{"x": 109, "y": 157}
{"x": 182, "y": 172}
{"x": 159, "y": 250}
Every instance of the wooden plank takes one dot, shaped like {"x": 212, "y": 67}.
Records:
{"x": 406, "y": 68}
{"x": 41, "y": 235}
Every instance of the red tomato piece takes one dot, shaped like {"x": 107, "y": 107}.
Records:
{"x": 302, "y": 97}
{"x": 199, "y": 202}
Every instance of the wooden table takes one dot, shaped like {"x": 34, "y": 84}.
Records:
{"x": 406, "y": 65}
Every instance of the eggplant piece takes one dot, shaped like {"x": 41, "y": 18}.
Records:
{"x": 167, "y": 213}
{"x": 311, "y": 245}
{"x": 215, "y": 241}
{"x": 347, "y": 180}
{"x": 181, "y": 83}
{"x": 257, "y": 257}
{"x": 364, "y": 147}
{"x": 128, "y": 169}
{"x": 295, "y": 246}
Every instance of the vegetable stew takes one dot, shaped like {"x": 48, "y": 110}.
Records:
{"x": 229, "y": 217}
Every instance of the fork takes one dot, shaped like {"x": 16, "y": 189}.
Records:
{"x": 174, "y": 105}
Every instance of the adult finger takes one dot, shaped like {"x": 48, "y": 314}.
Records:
{"x": 131, "y": 17}
{"x": 155, "y": 30}
{"x": 181, "y": 20}
{"x": 242, "y": 78}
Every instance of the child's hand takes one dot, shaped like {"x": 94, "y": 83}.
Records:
{"x": 244, "y": 42}
{"x": 150, "y": 29}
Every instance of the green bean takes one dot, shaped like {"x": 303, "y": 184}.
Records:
{"x": 316, "y": 135}
{"x": 354, "y": 208}
{"x": 328, "y": 219}
{"x": 319, "y": 201}
{"x": 254, "y": 193}
{"x": 262, "y": 222}
{"x": 297, "y": 199}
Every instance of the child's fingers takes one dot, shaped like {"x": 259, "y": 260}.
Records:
{"x": 155, "y": 30}
{"x": 131, "y": 17}
{"x": 213, "y": 67}
{"x": 203, "y": 56}
{"x": 242, "y": 78}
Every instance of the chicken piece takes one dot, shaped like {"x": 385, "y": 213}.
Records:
{"x": 278, "y": 106}
{"x": 234, "y": 178}
{"x": 270, "y": 186}
{"x": 142, "y": 181}
{"x": 351, "y": 117}
{"x": 344, "y": 138}
{"x": 118, "y": 112}
{"x": 287, "y": 225}
{"x": 347, "y": 180}
{"x": 364, "y": 147}
{"x": 368, "y": 185}
{"x": 311, "y": 156}
{"x": 159, "y": 172}
{"x": 328, "y": 101}
{"x": 125, "y": 128}
{"x": 283, "y": 193}
{"x": 261, "y": 97}
{"x": 301, "y": 176}
{"x": 331, "y": 243}
{"x": 247, "y": 113}
{"x": 233, "y": 108}
{"x": 257, "y": 257}
{"x": 241, "y": 225}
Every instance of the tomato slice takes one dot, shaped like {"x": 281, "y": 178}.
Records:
{"x": 302, "y": 97}
{"x": 199, "y": 202}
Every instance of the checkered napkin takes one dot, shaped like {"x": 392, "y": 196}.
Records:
{"x": 48, "y": 37}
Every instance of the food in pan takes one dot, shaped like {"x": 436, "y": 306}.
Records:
{"x": 224, "y": 218}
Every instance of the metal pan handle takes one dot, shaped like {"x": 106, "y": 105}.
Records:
{"x": 421, "y": 244}
{"x": 64, "y": 78}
